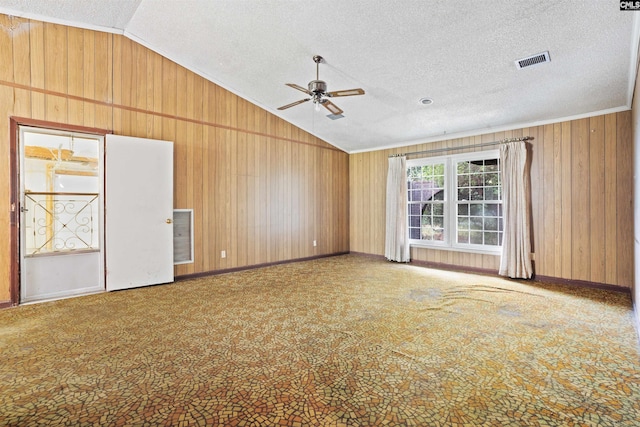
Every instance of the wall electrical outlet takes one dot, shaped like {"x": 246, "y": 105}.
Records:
{"x": 223, "y": 254}
{"x": 315, "y": 243}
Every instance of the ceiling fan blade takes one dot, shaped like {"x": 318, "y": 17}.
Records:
{"x": 331, "y": 107}
{"x": 300, "y": 88}
{"x": 293, "y": 104}
{"x": 347, "y": 92}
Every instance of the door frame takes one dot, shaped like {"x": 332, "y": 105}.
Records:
{"x": 14, "y": 171}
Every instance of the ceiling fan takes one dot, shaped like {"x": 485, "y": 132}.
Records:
{"x": 317, "y": 90}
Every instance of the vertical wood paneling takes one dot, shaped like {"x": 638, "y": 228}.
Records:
{"x": 116, "y": 84}
{"x": 21, "y": 63}
{"x": 21, "y": 66}
{"x": 6, "y": 47}
{"x": 75, "y": 74}
{"x": 581, "y": 250}
{"x": 557, "y": 200}
{"x": 567, "y": 213}
{"x": 242, "y": 214}
{"x": 56, "y": 69}
{"x": 140, "y": 89}
{"x": 261, "y": 189}
{"x": 610, "y": 199}
{"x": 88, "y": 77}
{"x": 580, "y": 221}
{"x": 103, "y": 75}
{"x": 6, "y": 73}
{"x": 36, "y": 53}
{"x": 154, "y": 68}
{"x": 548, "y": 199}
{"x": 75, "y": 61}
{"x": 596, "y": 199}
{"x": 624, "y": 172}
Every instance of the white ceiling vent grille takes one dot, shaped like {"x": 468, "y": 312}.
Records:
{"x": 539, "y": 58}
{"x": 335, "y": 116}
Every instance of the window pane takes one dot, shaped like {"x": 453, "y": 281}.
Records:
{"x": 430, "y": 232}
{"x": 463, "y": 237}
{"x": 475, "y": 237}
{"x": 415, "y": 209}
{"x": 477, "y": 193}
{"x": 439, "y": 195}
{"x": 475, "y": 209}
{"x": 463, "y": 194}
{"x": 463, "y": 223}
{"x": 490, "y": 209}
{"x": 438, "y": 209}
{"x": 491, "y": 224}
{"x": 491, "y": 179}
{"x": 414, "y": 233}
{"x": 462, "y": 167}
{"x": 492, "y": 193}
{"x": 491, "y": 165}
{"x": 463, "y": 180}
{"x": 490, "y": 238}
{"x": 463, "y": 209}
{"x": 475, "y": 223}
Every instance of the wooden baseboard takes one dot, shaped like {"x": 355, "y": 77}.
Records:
{"x": 457, "y": 268}
{"x": 373, "y": 256}
{"x": 5, "y": 304}
{"x": 488, "y": 272}
{"x": 582, "y": 284}
{"x": 436, "y": 265}
{"x": 252, "y": 267}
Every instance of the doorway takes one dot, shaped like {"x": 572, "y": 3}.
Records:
{"x": 63, "y": 243}
{"x": 61, "y": 218}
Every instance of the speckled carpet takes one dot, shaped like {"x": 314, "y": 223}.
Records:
{"x": 341, "y": 341}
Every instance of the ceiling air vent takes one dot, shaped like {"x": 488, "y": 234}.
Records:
{"x": 540, "y": 58}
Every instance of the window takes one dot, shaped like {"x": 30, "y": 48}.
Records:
{"x": 455, "y": 202}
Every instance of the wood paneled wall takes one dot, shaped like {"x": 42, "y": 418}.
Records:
{"x": 582, "y": 200}
{"x": 261, "y": 189}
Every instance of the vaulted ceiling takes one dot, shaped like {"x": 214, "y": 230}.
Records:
{"x": 461, "y": 55}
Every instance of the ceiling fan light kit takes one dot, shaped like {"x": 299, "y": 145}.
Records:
{"x": 317, "y": 90}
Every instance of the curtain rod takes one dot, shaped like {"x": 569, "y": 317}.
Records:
{"x": 484, "y": 144}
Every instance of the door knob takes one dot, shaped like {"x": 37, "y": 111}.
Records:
{"x": 169, "y": 220}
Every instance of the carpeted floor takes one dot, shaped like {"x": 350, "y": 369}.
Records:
{"x": 341, "y": 341}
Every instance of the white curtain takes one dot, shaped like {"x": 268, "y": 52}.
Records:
{"x": 397, "y": 232}
{"x": 516, "y": 240}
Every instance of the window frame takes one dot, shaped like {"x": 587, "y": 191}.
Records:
{"x": 450, "y": 202}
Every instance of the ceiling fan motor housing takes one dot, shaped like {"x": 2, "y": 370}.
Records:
{"x": 317, "y": 86}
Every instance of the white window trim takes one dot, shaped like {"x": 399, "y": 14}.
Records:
{"x": 450, "y": 203}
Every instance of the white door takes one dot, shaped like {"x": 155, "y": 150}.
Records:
{"x": 61, "y": 220}
{"x": 139, "y": 212}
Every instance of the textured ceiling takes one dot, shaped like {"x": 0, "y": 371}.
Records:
{"x": 460, "y": 54}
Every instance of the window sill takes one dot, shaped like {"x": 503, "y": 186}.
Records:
{"x": 495, "y": 252}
